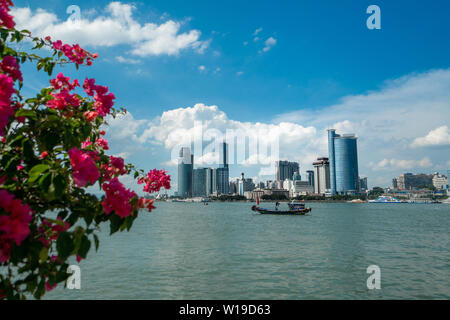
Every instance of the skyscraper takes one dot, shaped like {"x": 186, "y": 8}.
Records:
{"x": 321, "y": 175}
{"x": 343, "y": 153}
{"x": 199, "y": 182}
{"x": 211, "y": 181}
{"x": 185, "y": 170}
{"x": 363, "y": 184}
{"x": 245, "y": 185}
{"x": 285, "y": 170}
{"x": 223, "y": 173}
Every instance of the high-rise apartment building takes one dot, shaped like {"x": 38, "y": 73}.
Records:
{"x": 343, "y": 157}
{"x": 321, "y": 175}
{"x": 223, "y": 173}
{"x": 285, "y": 170}
{"x": 185, "y": 172}
{"x": 199, "y": 182}
{"x": 310, "y": 177}
{"x": 363, "y": 184}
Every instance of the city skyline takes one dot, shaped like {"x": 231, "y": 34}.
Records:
{"x": 388, "y": 87}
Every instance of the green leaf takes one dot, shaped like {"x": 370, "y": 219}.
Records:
{"x": 84, "y": 247}
{"x": 64, "y": 245}
{"x": 56, "y": 221}
{"x": 116, "y": 222}
{"x": 45, "y": 181}
{"x": 26, "y": 113}
{"x": 96, "y": 242}
{"x": 36, "y": 171}
{"x": 60, "y": 185}
{"x": 43, "y": 255}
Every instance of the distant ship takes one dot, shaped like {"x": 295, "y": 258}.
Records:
{"x": 386, "y": 199}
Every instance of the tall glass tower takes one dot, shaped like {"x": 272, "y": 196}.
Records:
{"x": 343, "y": 154}
{"x": 185, "y": 172}
{"x": 223, "y": 173}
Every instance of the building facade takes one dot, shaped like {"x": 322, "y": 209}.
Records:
{"x": 440, "y": 181}
{"x": 285, "y": 170}
{"x": 185, "y": 172}
{"x": 223, "y": 173}
{"x": 343, "y": 158}
{"x": 363, "y": 184}
{"x": 245, "y": 185}
{"x": 321, "y": 175}
{"x": 310, "y": 177}
{"x": 199, "y": 182}
{"x": 408, "y": 181}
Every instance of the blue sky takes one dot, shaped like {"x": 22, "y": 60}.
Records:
{"x": 320, "y": 62}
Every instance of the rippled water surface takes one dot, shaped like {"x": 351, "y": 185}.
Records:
{"x": 225, "y": 251}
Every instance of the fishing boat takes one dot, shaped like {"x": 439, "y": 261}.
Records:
{"x": 295, "y": 208}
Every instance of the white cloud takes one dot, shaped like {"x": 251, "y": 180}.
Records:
{"x": 127, "y": 60}
{"x": 182, "y": 126}
{"x": 386, "y": 122}
{"x": 401, "y": 164}
{"x": 201, "y": 68}
{"x": 239, "y": 73}
{"x": 116, "y": 27}
{"x": 270, "y": 43}
{"x": 437, "y": 137}
{"x": 257, "y": 31}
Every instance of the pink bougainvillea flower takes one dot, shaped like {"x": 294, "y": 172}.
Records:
{"x": 43, "y": 155}
{"x": 14, "y": 225}
{"x": 79, "y": 258}
{"x": 6, "y": 110}
{"x": 115, "y": 167}
{"x": 102, "y": 143}
{"x": 10, "y": 67}
{"x": 90, "y": 115}
{"x": 84, "y": 169}
{"x": 155, "y": 180}
{"x": 50, "y": 287}
{"x": 62, "y": 82}
{"x": 117, "y": 198}
{"x": 146, "y": 203}
{"x": 74, "y": 53}
{"x": 49, "y": 231}
{"x": 6, "y": 20}
{"x": 103, "y": 99}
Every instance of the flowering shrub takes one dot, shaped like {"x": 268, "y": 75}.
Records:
{"x": 52, "y": 149}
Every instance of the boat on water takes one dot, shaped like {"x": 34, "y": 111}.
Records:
{"x": 386, "y": 199}
{"x": 295, "y": 208}
{"x": 357, "y": 201}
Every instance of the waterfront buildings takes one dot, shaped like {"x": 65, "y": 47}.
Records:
{"x": 245, "y": 185}
{"x": 300, "y": 188}
{"x": 440, "y": 181}
{"x": 321, "y": 175}
{"x": 185, "y": 172}
{"x": 285, "y": 170}
{"x": 363, "y": 184}
{"x": 343, "y": 160}
{"x": 395, "y": 184}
